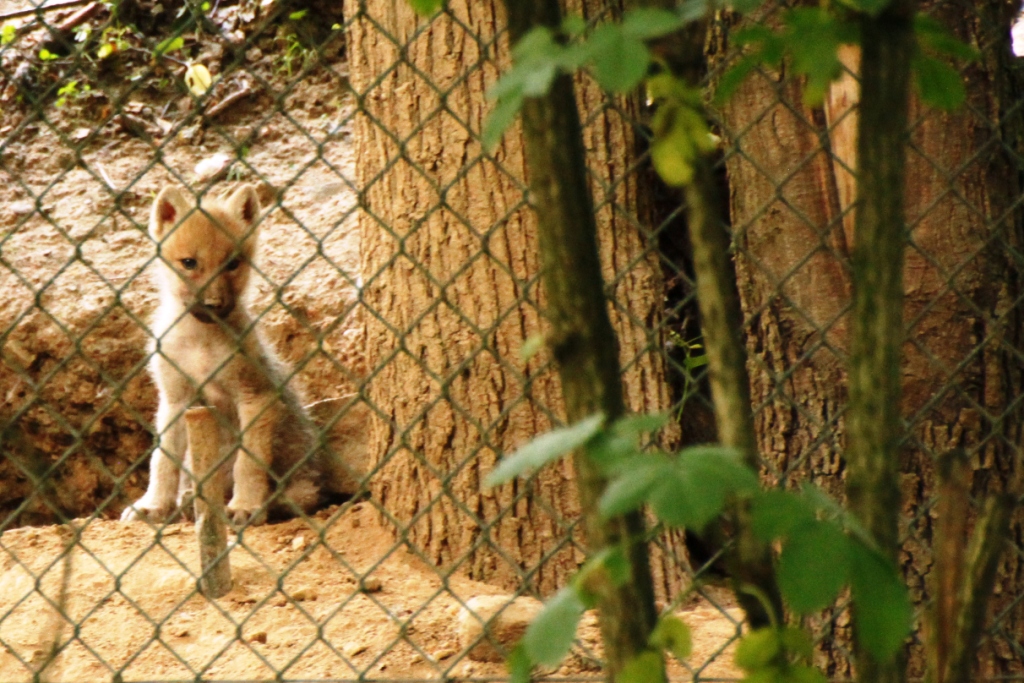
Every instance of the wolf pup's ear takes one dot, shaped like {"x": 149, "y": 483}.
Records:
{"x": 170, "y": 207}
{"x": 244, "y": 204}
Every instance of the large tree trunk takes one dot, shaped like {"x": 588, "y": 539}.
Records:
{"x": 449, "y": 255}
{"x": 791, "y": 197}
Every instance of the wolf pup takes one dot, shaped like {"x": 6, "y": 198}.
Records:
{"x": 210, "y": 351}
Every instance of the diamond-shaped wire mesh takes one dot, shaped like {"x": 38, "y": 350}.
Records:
{"x": 397, "y": 278}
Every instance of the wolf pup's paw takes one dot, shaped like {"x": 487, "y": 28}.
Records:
{"x": 245, "y": 515}
{"x": 147, "y": 510}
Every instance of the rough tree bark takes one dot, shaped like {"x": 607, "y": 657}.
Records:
{"x": 791, "y": 195}
{"x": 449, "y": 255}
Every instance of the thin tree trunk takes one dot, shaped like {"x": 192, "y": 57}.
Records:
{"x": 874, "y": 423}
{"x": 750, "y": 561}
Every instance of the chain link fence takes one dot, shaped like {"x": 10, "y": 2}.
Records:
{"x": 397, "y": 278}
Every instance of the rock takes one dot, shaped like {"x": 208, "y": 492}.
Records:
{"x": 22, "y": 208}
{"x": 370, "y": 584}
{"x": 506, "y": 618}
{"x": 258, "y": 637}
{"x": 299, "y": 542}
{"x": 443, "y": 653}
{"x": 212, "y": 168}
{"x": 304, "y": 593}
{"x": 353, "y": 649}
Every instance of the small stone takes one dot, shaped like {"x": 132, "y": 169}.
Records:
{"x": 278, "y": 601}
{"x": 299, "y": 542}
{"x": 22, "y": 208}
{"x": 506, "y": 618}
{"x": 180, "y": 632}
{"x": 258, "y": 637}
{"x": 353, "y": 649}
{"x": 253, "y": 54}
{"x": 213, "y": 167}
{"x": 443, "y": 653}
{"x": 81, "y": 134}
{"x": 370, "y": 584}
{"x": 304, "y": 593}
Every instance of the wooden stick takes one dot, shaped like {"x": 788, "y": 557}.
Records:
{"x": 228, "y": 101}
{"x": 79, "y": 18}
{"x": 211, "y": 530}
{"x": 50, "y": 7}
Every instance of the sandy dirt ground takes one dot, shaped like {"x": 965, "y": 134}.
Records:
{"x": 296, "y": 608}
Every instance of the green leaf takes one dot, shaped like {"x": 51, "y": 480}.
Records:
{"x": 813, "y": 39}
{"x": 799, "y": 673}
{"x": 650, "y": 22}
{"x": 646, "y": 667}
{"x": 499, "y": 120}
{"x": 47, "y": 56}
{"x": 939, "y": 84}
{"x": 519, "y": 665}
{"x": 693, "y": 491}
{"x": 426, "y": 7}
{"x": 671, "y": 633}
{"x": 731, "y": 80}
{"x": 549, "y": 636}
{"x": 881, "y": 606}
{"x": 769, "y": 674}
{"x": 545, "y": 448}
{"x": 720, "y": 466}
{"x": 680, "y": 136}
{"x": 295, "y": 16}
{"x": 933, "y": 36}
{"x": 758, "y": 649}
{"x": 573, "y": 25}
{"x": 538, "y": 44}
{"x": 797, "y": 642}
{"x": 776, "y": 513}
{"x": 8, "y": 32}
{"x": 676, "y": 501}
{"x": 536, "y": 81}
{"x": 814, "y": 566}
{"x": 532, "y": 346}
{"x": 620, "y": 61}
{"x": 639, "y": 423}
{"x": 694, "y": 362}
{"x": 609, "y": 566}
{"x": 630, "y": 490}
{"x": 613, "y": 454}
{"x": 617, "y": 565}
{"x": 169, "y": 45}
{"x": 615, "y": 448}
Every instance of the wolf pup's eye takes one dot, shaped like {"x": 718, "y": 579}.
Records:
{"x": 189, "y": 263}
{"x": 234, "y": 263}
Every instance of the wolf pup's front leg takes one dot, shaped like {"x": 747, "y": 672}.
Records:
{"x": 160, "y": 502}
